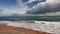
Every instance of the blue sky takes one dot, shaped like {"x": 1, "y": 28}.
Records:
{"x": 28, "y": 6}
{"x": 10, "y": 3}
{"x": 17, "y": 6}
{"x": 34, "y": 3}
{"x": 7, "y": 3}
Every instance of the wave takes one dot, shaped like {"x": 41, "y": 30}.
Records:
{"x": 46, "y": 26}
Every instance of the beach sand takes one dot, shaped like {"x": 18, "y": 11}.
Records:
{"x": 18, "y": 30}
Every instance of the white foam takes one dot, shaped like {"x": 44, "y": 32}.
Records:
{"x": 51, "y": 27}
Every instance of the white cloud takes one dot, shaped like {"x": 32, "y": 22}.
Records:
{"x": 22, "y": 7}
{"x": 50, "y": 14}
{"x": 30, "y": 1}
{"x": 53, "y": 13}
{"x": 46, "y": 7}
{"x": 50, "y": 3}
{"x": 5, "y": 11}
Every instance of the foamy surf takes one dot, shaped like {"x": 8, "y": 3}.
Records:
{"x": 50, "y": 27}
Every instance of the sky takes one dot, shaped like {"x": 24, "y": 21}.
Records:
{"x": 44, "y": 7}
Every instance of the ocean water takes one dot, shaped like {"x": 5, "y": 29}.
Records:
{"x": 46, "y": 26}
{"x": 50, "y": 24}
{"x": 37, "y": 18}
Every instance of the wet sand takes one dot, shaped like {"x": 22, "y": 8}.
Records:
{"x": 21, "y": 30}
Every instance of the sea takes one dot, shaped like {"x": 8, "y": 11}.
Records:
{"x": 50, "y": 24}
{"x": 26, "y": 18}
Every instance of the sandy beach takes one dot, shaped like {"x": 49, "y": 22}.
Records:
{"x": 18, "y": 30}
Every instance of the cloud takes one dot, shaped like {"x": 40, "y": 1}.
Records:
{"x": 21, "y": 8}
{"x": 53, "y": 14}
{"x": 30, "y": 1}
{"x": 5, "y": 11}
{"x": 10, "y": 11}
{"x": 45, "y": 7}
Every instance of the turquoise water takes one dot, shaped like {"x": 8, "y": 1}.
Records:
{"x": 38, "y": 18}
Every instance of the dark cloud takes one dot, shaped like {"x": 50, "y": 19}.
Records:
{"x": 46, "y": 7}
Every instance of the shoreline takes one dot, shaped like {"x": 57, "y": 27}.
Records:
{"x": 50, "y": 27}
{"x": 22, "y": 30}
